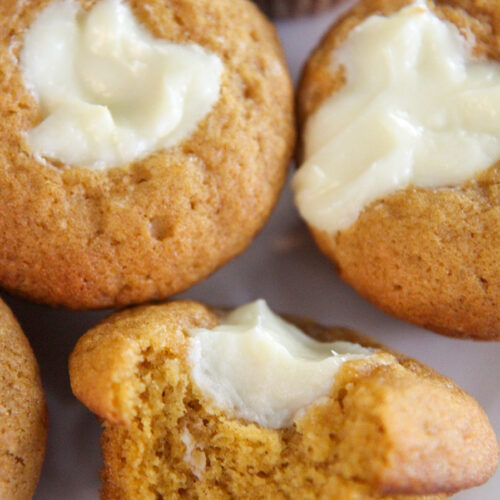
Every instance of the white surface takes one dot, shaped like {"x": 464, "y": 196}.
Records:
{"x": 282, "y": 265}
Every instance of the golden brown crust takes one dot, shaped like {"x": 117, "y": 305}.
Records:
{"x": 88, "y": 239}
{"x": 390, "y": 427}
{"x": 23, "y": 414}
{"x": 427, "y": 256}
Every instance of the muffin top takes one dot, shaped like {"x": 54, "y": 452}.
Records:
{"x": 85, "y": 237}
{"x": 426, "y": 255}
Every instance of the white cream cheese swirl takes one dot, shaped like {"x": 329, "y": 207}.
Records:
{"x": 263, "y": 369}
{"x": 416, "y": 109}
{"x": 109, "y": 92}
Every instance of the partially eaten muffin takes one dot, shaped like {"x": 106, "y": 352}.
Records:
{"x": 181, "y": 421}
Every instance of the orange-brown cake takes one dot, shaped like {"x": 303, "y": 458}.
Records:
{"x": 23, "y": 414}
{"x": 85, "y": 221}
{"x": 385, "y": 426}
{"x": 425, "y": 253}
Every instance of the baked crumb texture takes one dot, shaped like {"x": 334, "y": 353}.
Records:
{"x": 23, "y": 414}
{"x": 91, "y": 239}
{"x": 390, "y": 427}
{"x": 430, "y": 256}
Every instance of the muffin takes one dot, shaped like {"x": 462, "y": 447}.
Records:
{"x": 23, "y": 414}
{"x": 193, "y": 406}
{"x": 410, "y": 215}
{"x": 135, "y": 164}
{"x": 294, "y": 8}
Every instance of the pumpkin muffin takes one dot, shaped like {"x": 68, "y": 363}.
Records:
{"x": 387, "y": 426}
{"x": 427, "y": 254}
{"x": 23, "y": 414}
{"x": 110, "y": 228}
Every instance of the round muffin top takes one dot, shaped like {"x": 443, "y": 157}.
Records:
{"x": 85, "y": 239}
{"x": 429, "y": 256}
{"x": 23, "y": 415}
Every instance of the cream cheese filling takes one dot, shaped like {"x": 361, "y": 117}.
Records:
{"x": 110, "y": 93}
{"x": 416, "y": 109}
{"x": 263, "y": 369}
